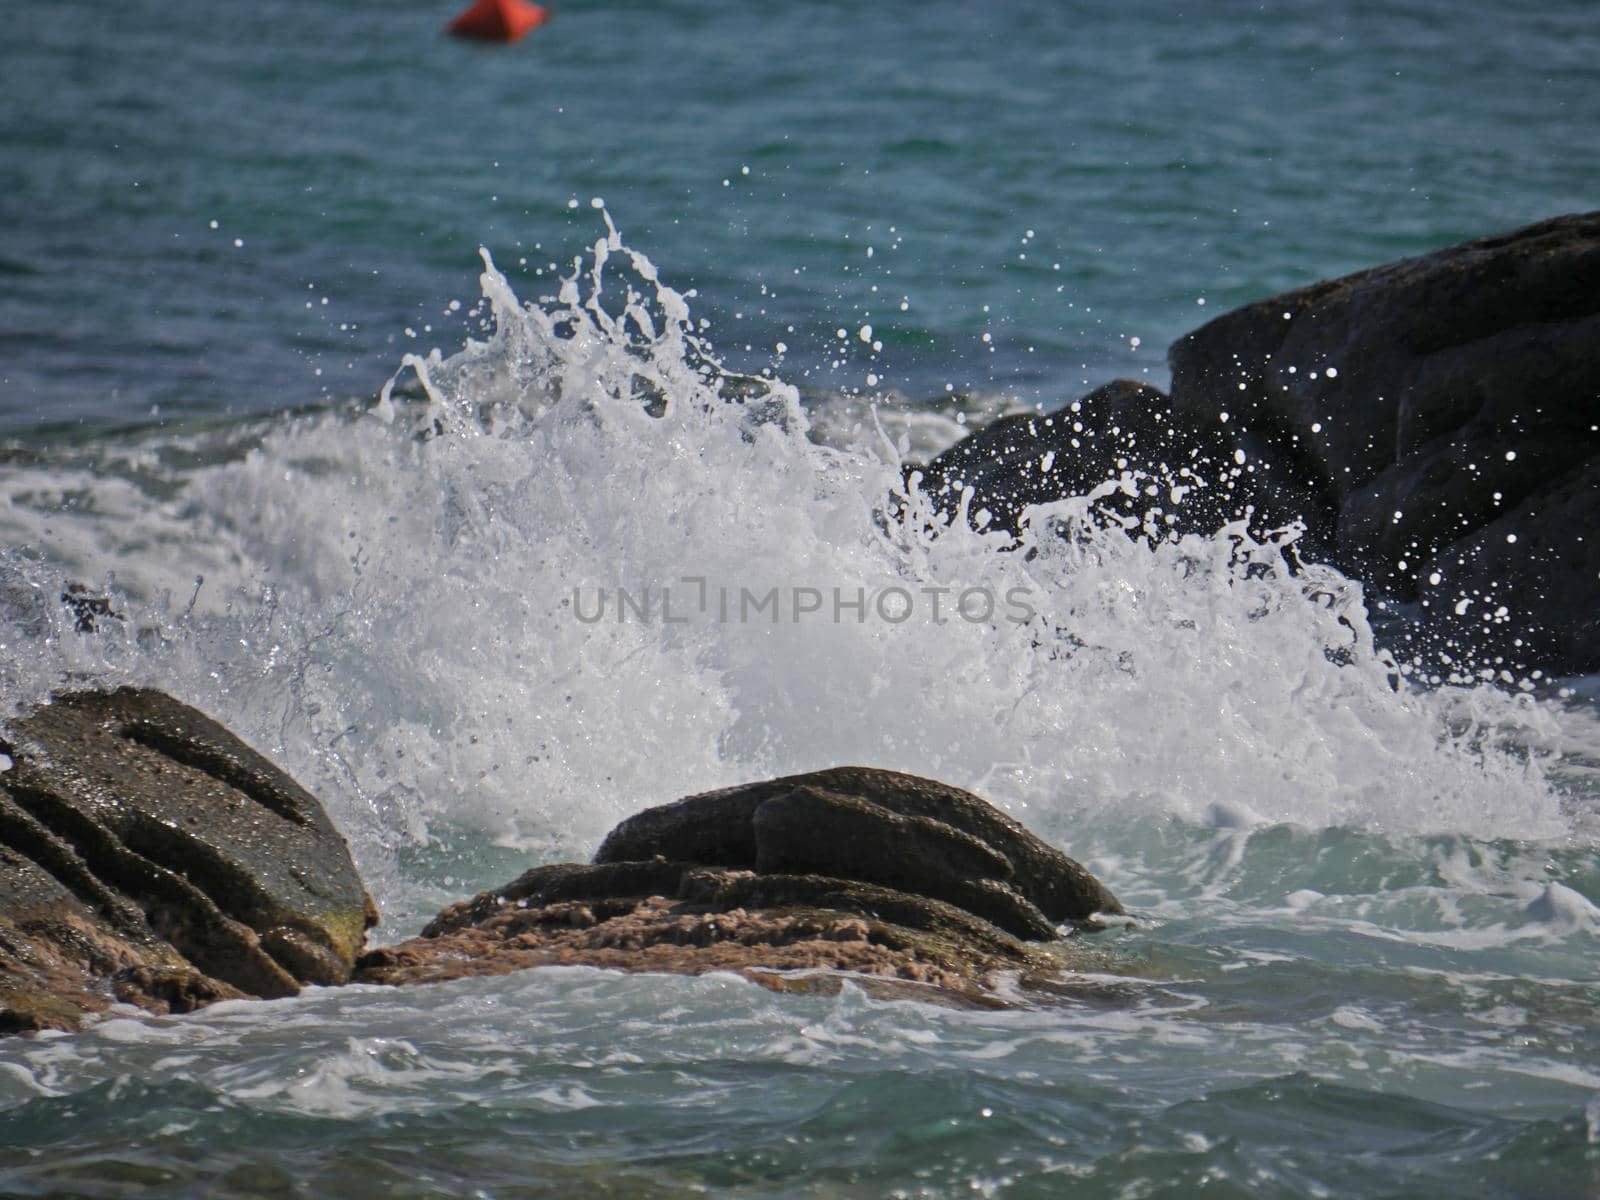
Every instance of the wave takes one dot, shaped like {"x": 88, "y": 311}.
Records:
{"x": 394, "y": 599}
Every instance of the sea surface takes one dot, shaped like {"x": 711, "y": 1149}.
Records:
{"x": 355, "y": 363}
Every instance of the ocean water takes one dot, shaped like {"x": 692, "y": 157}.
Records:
{"x": 357, "y": 462}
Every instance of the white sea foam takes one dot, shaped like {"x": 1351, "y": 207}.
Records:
{"x": 388, "y": 607}
{"x": 1557, "y": 906}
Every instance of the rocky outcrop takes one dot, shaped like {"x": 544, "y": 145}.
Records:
{"x": 149, "y": 856}
{"x": 1435, "y": 423}
{"x": 888, "y": 876}
{"x": 1440, "y": 406}
{"x": 721, "y": 829}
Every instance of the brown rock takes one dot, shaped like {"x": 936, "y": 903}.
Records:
{"x": 795, "y": 924}
{"x": 719, "y": 829}
{"x": 146, "y": 854}
{"x": 851, "y": 870}
{"x": 812, "y": 831}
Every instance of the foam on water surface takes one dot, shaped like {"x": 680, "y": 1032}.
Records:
{"x": 401, "y": 603}
{"x": 1364, "y": 945}
{"x": 1278, "y": 1069}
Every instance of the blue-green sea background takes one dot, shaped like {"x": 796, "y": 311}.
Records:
{"x": 1160, "y": 153}
{"x": 1368, "y": 948}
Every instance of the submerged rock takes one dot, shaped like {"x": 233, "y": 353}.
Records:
{"x": 852, "y": 869}
{"x": 147, "y": 855}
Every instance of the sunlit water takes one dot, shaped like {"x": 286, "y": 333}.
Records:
{"x": 1364, "y": 961}
{"x": 247, "y": 207}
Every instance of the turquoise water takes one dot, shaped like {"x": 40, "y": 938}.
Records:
{"x": 1365, "y": 955}
{"x": 1160, "y": 153}
{"x": 1356, "y": 1045}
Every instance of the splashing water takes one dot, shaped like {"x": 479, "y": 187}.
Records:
{"x": 580, "y": 569}
{"x": 401, "y": 604}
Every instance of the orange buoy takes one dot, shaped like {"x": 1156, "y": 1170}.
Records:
{"x": 498, "y": 20}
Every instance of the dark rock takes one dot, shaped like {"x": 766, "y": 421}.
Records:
{"x": 1399, "y": 414}
{"x": 852, "y": 869}
{"x": 90, "y": 611}
{"x": 1547, "y": 578}
{"x": 1464, "y": 391}
{"x": 718, "y": 829}
{"x": 809, "y": 830}
{"x": 812, "y": 829}
{"x": 1034, "y": 458}
{"x": 149, "y": 855}
{"x": 711, "y": 828}
{"x": 1123, "y": 430}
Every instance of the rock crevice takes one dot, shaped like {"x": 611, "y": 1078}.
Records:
{"x": 152, "y": 857}
{"x": 851, "y": 869}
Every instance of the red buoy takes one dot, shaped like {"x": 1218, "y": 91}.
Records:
{"x": 498, "y": 20}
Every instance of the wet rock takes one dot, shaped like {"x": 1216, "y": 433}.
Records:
{"x": 952, "y": 924}
{"x": 1538, "y": 560}
{"x": 813, "y": 831}
{"x": 719, "y": 829}
{"x": 848, "y": 870}
{"x": 1409, "y": 416}
{"x": 560, "y": 882}
{"x": 756, "y": 926}
{"x": 1426, "y": 402}
{"x": 147, "y": 855}
{"x": 1124, "y": 429}
{"x": 90, "y": 610}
